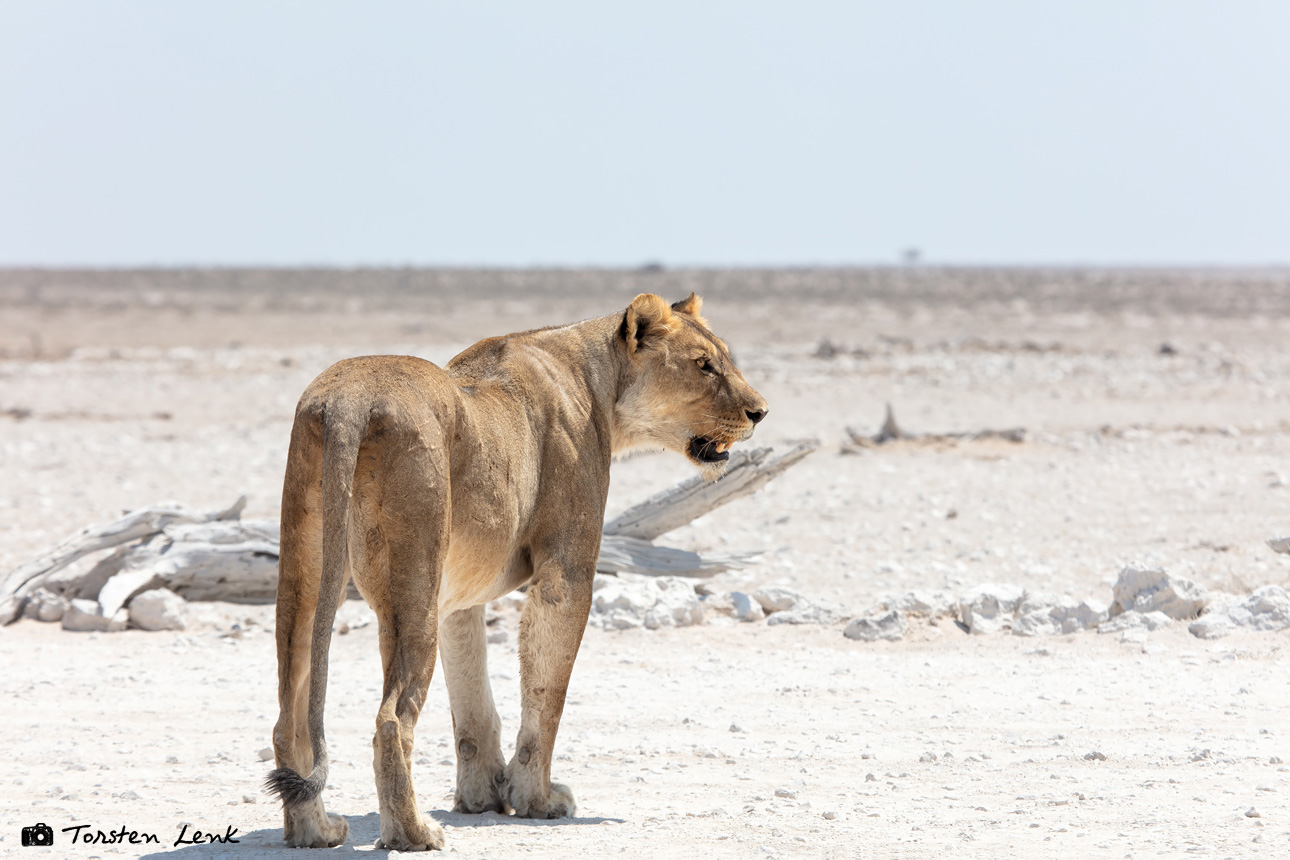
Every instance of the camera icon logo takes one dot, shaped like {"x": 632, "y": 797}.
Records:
{"x": 38, "y": 835}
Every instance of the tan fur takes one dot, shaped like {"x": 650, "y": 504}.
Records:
{"x": 438, "y": 490}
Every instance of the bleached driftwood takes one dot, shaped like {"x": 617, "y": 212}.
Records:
{"x": 216, "y": 556}
{"x": 747, "y": 472}
{"x": 236, "y": 561}
{"x": 134, "y": 526}
{"x": 892, "y": 432}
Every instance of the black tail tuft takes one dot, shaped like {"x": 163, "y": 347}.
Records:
{"x": 290, "y": 787}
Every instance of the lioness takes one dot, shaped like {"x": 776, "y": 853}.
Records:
{"x": 439, "y": 490}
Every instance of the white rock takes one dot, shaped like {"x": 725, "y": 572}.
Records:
{"x": 805, "y": 613}
{"x": 1154, "y": 590}
{"x": 1039, "y": 622}
{"x": 989, "y": 608}
{"x": 890, "y": 625}
{"x": 158, "y": 609}
{"x": 646, "y": 601}
{"x": 82, "y": 616}
{"x": 776, "y": 598}
{"x": 353, "y": 614}
{"x": 265, "y": 754}
{"x": 745, "y": 607}
{"x": 1035, "y": 619}
{"x": 922, "y": 603}
{"x": 1085, "y": 615}
{"x": 716, "y": 604}
{"x": 1133, "y": 620}
{"x": 45, "y": 605}
{"x": 119, "y": 621}
{"x": 1268, "y": 609}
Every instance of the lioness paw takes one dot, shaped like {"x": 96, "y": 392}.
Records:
{"x": 480, "y": 799}
{"x": 422, "y": 835}
{"x": 558, "y": 802}
{"x": 308, "y": 830}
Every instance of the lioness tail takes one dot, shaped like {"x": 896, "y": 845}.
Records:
{"x": 340, "y": 444}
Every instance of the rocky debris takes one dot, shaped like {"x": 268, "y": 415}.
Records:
{"x": 785, "y": 606}
{"x": 629, "y": 600}
{"x": 806, "y": 613}
{"x": 989, "y": 608}
{"x": 158, "y": 609}
{"x": 926, "y": 603}
{"x": 1036, "y": 618}
{"x": 1280, "y": 544}
{"x": 352, "y": 615}
{"x": 1037, "y": 623}
{"x": 1267, "y": 609}
{"x": 734, "y": 605}
{"x": 45, "y": 605}
{"x": 776, "y": 598}
{"x": 745, "y": 607}
{"x": 1153, "y": 590}
{"x": 891, "y": 625}
{"x": 217, "y": 556}
{"x": 84, "y": 616}
{"x": 265, "y": 754}
{"x": 1133, "y": 620}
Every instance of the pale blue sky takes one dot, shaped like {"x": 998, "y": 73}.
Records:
{"x": 565, "y": 133}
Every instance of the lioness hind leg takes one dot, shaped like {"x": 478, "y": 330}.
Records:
{"x": 408, "y": 653}
{"x": 307, "y": 824}
{"x": 403, "y": 562}
{"x": 555, "y": 616}
{"x": 477, "y": 728}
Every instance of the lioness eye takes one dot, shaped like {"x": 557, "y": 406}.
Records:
{"x": 706, "y": 366}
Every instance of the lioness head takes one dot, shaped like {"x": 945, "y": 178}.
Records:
{"x": 683, "y": 390}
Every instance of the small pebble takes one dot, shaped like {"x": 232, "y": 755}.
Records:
{"x": 830, "y": 815}
{"x": 266, "y": 754}
{"x": 785, "y": 792}
{"x": 1252, "y": 813}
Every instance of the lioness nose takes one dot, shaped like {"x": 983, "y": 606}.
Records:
{"x": 755, "y": 417}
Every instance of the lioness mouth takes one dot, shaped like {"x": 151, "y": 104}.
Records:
{"x": 707, "y": 450}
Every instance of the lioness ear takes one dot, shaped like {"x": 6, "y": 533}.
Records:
{"x": 691, "y": 305}
{"x": 647, "y": 317}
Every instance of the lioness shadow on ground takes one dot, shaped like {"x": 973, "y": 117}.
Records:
{"x": 363, "y": 830}
{"x": 493, "y": 819}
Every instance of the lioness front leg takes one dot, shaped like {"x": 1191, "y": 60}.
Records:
{"x": 476, "y": 727}
{"x": 555, "y": 616}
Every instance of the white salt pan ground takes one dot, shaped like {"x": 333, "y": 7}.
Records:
{"x": 123, "y": 389}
